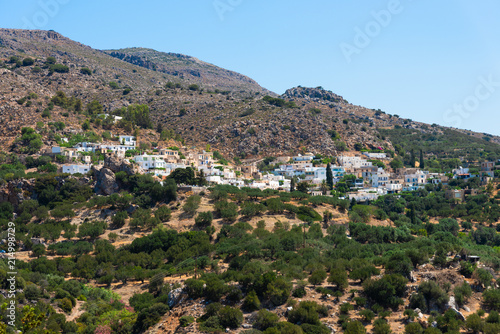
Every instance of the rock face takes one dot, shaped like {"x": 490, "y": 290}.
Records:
{"x": 115, "y": 164}
{"x": 105, "y": 181}
{"x": 174, "y": 297}
{"x": 13, "y": 191}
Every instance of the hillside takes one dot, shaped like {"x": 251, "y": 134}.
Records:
{"x": 235, "y": 122}
{"x": 119, "y": 246}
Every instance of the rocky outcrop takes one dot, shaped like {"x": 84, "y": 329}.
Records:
{"x": 105, "y": 181}
{"x": 116, "y": 165}
{"x": 15, "y": 191}
{"x": 317, "y": 94}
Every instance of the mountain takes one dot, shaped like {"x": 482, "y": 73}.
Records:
{"x": 201, "y": 103}
{"x": 188, "y": 68}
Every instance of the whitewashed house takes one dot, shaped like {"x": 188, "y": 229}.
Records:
{"x": 74, "y": 169}
{"x": 127, "y": 140}
{"x": 147, "y": 162}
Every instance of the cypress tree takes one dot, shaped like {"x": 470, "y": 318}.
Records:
{"x": 329, "y": 176}
{"x": 422, "y": 164}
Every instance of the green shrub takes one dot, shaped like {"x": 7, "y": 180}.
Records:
{"x": 251, "y": 302}
{"x": 265, "y": 319}
{"x": 28, "y": 61}
{"x": 86, "y": 71}
{"x": 186, "y": 320}
{"x": 58, "y": 68}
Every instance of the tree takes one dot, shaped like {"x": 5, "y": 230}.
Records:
{"x": 251, "y": 302}
{"x": 329, "y": 176}
{"x": 163, "y": 213}
{"x": 380, "y": 326}
{"x": 230, "y": 317}
{"x": 38, "y": 250}
{"x": 204, "y": 219}
{"x": 355, "y": 327}
{"x": 396, "y": 163}
{"x": 118, "y": 219}
{"x": 323, "y": 187}
{"x": 338, "y": 277}
{"x": 292, "y": 184}
{"x": 303, "y": 187}
{"x": 265, "y": 319}
{"x": 30, "y": 140}
{"x": 474, "y": 323}
{"x": 192, "y": 204}
{"x": 414, "y": 328}
{"x": 94, "y": 108}
{"x": 317, "y": 277}
{"x": 422, "y": 163}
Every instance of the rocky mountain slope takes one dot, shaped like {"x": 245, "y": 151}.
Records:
{"x": 188, "y": 68}
{"x": 200, "y": 102}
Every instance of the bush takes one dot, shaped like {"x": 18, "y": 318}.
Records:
{"x": 59, "y": 68}
{"x": 194, "y": 288}
{"x": 265, "y": 319}
{"x": 186, "y": 320}
{"x": 163, "y": 213}
{"x": 230, "y": 317}
{"x": 462, "y": 293}
{"x": 86, "y": 71}
{"x": 66, "y": 305}
{"x": 227, "y": 210}
{"x": 380, "y": 326}
{"x": 192, "y": 204}
{"x": 414, "y": 328}
{"x": 113, "y": 85}
{"x": 251, "y": 302}
{"x": 204, "y": 219}
{"x": 474, "y": 323}
{"x": 433, "y": 295}
{"x": 367, "y": 315}
{"x": 118, "y": 219}
{"x": 317, "y": 277}
{"x": 386, "y": 291}
{"x": 306, "y": 312}
{"x": 355, "y": 327}
{"x": 28, "y": 61}
{"x": 491, "y": 299}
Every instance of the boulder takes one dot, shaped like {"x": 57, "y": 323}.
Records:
{"x": 105, "y": 181}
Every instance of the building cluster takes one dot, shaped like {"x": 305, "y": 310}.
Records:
{"x": 367, "y": 180}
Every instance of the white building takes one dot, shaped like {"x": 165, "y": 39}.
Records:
{"x": 381, "y": 179}
{"x": 375, "y": 155}
{"x": 128, "y": 141}
{"x": 73, "y": 169}
{"x": 353, "y": 162}
{"x": 149, "y": 161}
{"x": 393, "y": 187}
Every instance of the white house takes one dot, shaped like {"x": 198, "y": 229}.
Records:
{"x": 393, "y": 187}
{"x": 149, "y": 161}
{"x": 354, "y": 162}
{"x": 73, "y": 169}
{"x": 308, "y": 157}
{"x": 127, "y": 140}
{"x": 380, "y": 179}
{"x": 375, "y": 155}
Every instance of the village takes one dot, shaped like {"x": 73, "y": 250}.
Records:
{"x": 368, "y": 175}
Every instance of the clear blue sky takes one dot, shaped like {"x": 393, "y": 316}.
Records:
{"x": 432, "y": 61}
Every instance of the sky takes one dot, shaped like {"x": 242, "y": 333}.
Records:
{"x": 430, "y": 61}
